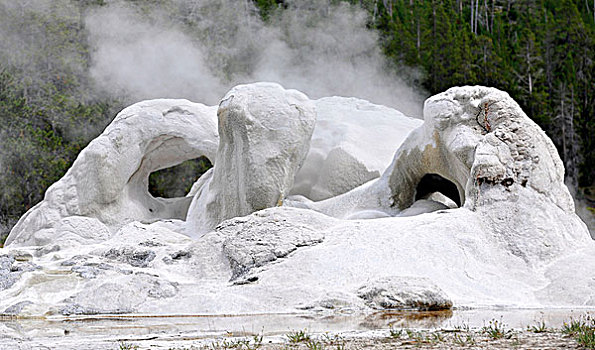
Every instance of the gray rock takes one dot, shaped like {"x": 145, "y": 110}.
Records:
{"x": 24, "y": 267}
{"x": 46, "y": 249}
{"x": 334, "y": 303}
{"x": 121, "y": 294}
{"x": 180, "y": 255}
{"x": 8, "y": 276}
{"x": 77, "y": 309}
{"x": 263, "y": 238}
{"x": 162, "y": 289}
{"x": 74, "y": 260}
{"x": 404, "y": 293}
{"x": 6, "y": 262}
{"x": 130, "y": 255}
{"x": 16, "y": 308}
{"x": 11, "y": 270}
{"x": 86, "y": 272}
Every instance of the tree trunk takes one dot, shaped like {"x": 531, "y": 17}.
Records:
{"x": 528, "y": 58}
{"x": 493, "y": 4}
{"x": 476, "y": 13}
{"x": 434, "y": 58}
{"x": 563, "y": 131}
{"x": 486, "y": 20}
{"x": 471, "y": 21}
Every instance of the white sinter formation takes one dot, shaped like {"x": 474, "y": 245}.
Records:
{"x": 265, "y": 131}
{"x": 472, "y": 211}
{"x": 107, "y": 186}
{"x": 354, "y": 141}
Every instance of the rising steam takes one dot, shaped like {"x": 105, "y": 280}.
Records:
{"x": 200, "y": 49}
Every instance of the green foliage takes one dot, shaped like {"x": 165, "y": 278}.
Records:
{"x": 497, "y": 330}
{"x": 582, "y": 329}
{"x": 126, "y": 346}
{"x": 298, "y": 336}
{"x": 240, "y": 344}
{"x": 422, "y": 337}
{"x": 268, "y": 7}
{"x": 48, "y": 111}
{"x": 177, "y": 181}
{"x": 539, "y": 328}
{"x": 573, "y": 327}
{"x": 40, "y": 140}
{"x": 314, "y": 345}
{"x": 587, "y": 338}
{"x": 539, "y": 51}
{"x": 467, "y": 340}
{"x": 395, "y": 333}
{"x": 334, "y": 340}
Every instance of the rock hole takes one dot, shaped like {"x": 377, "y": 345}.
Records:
{"x": 177, "y": 181}
{"x": 431, "y": 183}
{"x": 507, "y": 182}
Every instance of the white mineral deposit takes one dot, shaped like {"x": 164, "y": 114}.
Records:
{"x": 326, "y": 206}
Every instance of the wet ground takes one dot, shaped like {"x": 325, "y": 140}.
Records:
{"x": 383, "y": 330}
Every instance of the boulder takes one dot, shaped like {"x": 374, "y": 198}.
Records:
{"x": 268, "y": 236}
{"x": 404, "y": 293}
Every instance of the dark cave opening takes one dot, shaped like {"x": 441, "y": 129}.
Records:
{"x": 176, "y": 181}
{"x": 431, "y": 183}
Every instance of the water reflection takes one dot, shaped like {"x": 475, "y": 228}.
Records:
{"x": 192, "y": 327}
{"x": 406, "y": 319}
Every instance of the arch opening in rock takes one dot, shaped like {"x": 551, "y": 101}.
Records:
{"x": 432, "y": 183}
{"x": 176, "y": 181}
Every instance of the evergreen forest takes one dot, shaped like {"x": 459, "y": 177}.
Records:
{"x": 542, "y": 52}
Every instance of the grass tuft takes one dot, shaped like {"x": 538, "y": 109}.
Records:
{"x": 539, "y": 328}
{"x": 396, "y": 333}
{"x": 497, "y": 330}
{"x": 314, "y": 345}
{"x": 126, "y": 346}
{"x": 298, "y": 336}
{"x": 582, "y": 329}
{"x": 467, "y": 340}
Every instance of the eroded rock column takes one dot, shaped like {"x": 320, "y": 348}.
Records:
{"x": 265, "y": 133}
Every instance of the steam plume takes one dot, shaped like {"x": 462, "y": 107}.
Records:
{"x": 199, "y": 49}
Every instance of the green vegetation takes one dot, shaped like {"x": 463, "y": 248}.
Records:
{"x": 463, "y": 340}
{"x": 314, "y": 345}
{"x": 540, "y": 51}
{"x": 268, "y": 7}
{"x": 539, "y": 328}
{"x": 239, "y": 344}
{"x": 177, "y": 181}
{"x": 395, "y": 333}
{"x": 298, "y": 336}
{"x": 47, "y": 110}
{"x": 496, "y": 330}
{"x": 127, "y": 346}
{"x": 582, "y": 329}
